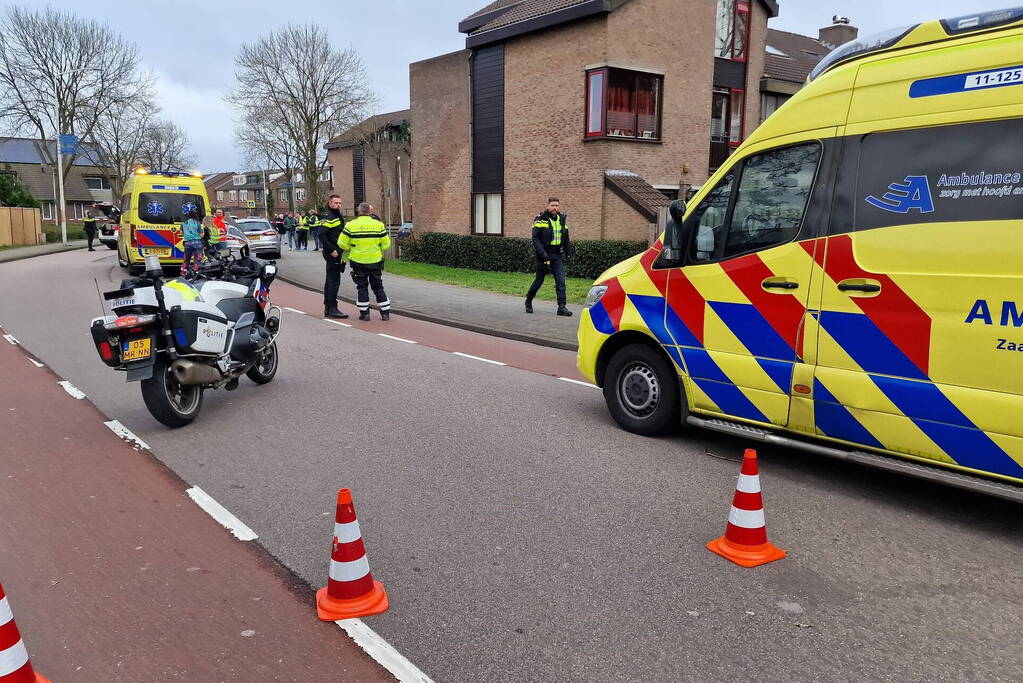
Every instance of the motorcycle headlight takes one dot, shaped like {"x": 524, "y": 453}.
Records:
{"x": 596, "y": 292}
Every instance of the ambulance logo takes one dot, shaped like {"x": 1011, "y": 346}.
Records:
{"x": 914, "y": 193}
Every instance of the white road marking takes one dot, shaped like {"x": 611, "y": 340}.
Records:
{"x": 36, "y": 363}
{"x": 294, "y": 310}
{"x": 336, "y": 322}
{"x": 72, "y": 390}
{"x": 11, "y": 340}
{"x": 407, "y": 341}
{"x": 485, "y": 360}
{"x": 125, "y": 433}
{"x": 221, "y": 514}
{"x": 383, "y": 652}
{"x": 575, "y": 381}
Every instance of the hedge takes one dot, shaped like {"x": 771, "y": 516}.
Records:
{"x": 589, "y": 259}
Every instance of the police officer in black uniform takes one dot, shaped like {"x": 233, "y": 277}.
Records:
{"x": 552, "y": 247}
{"x": 329, "y": 232}
{"x": 89, "y": 223}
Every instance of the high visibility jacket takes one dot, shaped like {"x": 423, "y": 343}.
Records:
{"x": 330, "y": 232}
{"x": 550, "y": 235}
{"x": 219, "y": 231}
{"x": 303, "y": 223}
{"x": 365, "y": 238}
{"x": 89, "y": 224}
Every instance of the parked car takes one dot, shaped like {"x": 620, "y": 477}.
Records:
{"x": 265, "y": 240}
{"x": 108, "y": 219}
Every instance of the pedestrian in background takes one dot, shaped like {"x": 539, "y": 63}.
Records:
{"x": 365, "y": 239}
{"x": 303, "y": 231}
{"x": 290, "y": 223}
{"x": 552, "y": 247}
{"x": 191, "y": 232}
{"x": 89, "y": 224}
{"x": 329, "y": 234}
{"x": 313, "y": 219}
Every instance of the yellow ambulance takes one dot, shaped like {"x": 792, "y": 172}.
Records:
{"x": 850, "y": 281}
{"x": 153, "y": 206}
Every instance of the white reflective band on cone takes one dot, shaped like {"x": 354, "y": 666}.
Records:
{"x": 747, "y": 519}
{"x": 348, "y": 532}
{"x": 748, "y": 483}
{"x": 349, "y": 571}
{"x": 13, "y": 658}
{"x": 5, "y": 612}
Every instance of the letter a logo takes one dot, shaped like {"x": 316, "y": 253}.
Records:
{"x": 915, "y": 193}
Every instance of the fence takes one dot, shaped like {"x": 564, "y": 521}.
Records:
{"x": 20, "y": 226}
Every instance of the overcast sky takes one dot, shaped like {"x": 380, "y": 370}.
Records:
{"x": 191, "y": 44}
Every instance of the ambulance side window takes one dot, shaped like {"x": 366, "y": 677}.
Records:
{"x": 771, "y": 199}
{"x": 709, "y": 221}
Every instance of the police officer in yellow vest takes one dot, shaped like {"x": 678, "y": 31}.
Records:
{"x": 89, "y": 224}
{"x": 365, "y": 239}
{"x": 303, "y": 232}
{"x": 552, "y": 246}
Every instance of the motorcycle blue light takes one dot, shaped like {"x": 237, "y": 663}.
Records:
{"x": 180, "y": 337}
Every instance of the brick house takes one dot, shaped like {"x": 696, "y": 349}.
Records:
{"x": 232, "y": 191}
{"x": 366, "y": 162}
{"x": 34, "y": 163}
{"x": 615, "y": 106}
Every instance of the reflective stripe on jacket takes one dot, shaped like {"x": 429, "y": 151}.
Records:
{"x": 365, "y": 238}
{"x": 302, "y": 224}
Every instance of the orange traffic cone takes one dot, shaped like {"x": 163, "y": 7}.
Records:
{"x": 745, "y": 541}
{"x": 14, "y": 664}
{"x": 351, "y": 590}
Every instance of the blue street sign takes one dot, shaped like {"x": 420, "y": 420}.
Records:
{"x": 287, "y": 184}
{"x": 69, "y": 144}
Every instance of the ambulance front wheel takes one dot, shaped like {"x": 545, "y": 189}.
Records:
{"x": 641, "y": 389}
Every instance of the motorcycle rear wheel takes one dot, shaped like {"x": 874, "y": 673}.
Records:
{"x": 266, "y": 367}
{"x": 171, "y": 403}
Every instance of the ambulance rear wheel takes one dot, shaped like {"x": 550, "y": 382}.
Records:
{"x": 641, "y": 389}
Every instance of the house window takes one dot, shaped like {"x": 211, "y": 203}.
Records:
{"x": 97, "y": 182}
{"x": 769, "y": 104}
{"x": 243, "y": 195}
{"x": 727, "y": 123}
{"x": 487, "y": 214}
{"x": 259, "y": 195}
{"x": 282, "y": 196}
{"x": 299, "y": 194}
{"x": 220, "y": 195}
{"x": 232, "y": 195}
{"x": 737, "y": 113}
{"x": 238, "y": 180}
{"x": 623, "y": 104}
{"x": 48, "y": 211}
{"x": 297, "y": 178}
{"x": 731, "y": 40}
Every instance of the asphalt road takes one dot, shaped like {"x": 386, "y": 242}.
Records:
{"x": 522, "y": 536}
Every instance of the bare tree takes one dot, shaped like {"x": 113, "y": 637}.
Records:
{"x": 311, "y": 91}
{"x": 165, "y": 147}
{"x": 383, "y": 142}
{"x": 63, "y": 73}
{"x": 120, "y": 135}
{"x": 262, "y": 145}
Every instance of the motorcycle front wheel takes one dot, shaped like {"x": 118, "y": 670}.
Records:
{"x": 266, "y": 367}
{"x": 171, "y": 403}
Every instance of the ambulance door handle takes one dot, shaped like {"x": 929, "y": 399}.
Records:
{"x": 863, "y": 285}
{"x": 779, "y": 283}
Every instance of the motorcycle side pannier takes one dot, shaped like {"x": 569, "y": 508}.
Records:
{"x": 199, "y": 332}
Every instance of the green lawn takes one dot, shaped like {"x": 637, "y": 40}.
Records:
{"x": 504, "y": 283}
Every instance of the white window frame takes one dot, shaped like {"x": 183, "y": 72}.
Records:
{"x": 220, "y": 195}
{"x": 104, "y": 182}
{"x": 282, "y": 196}
{"x": 297, "y": 178}
{"x": 243, "y": 195}
{"x": 487, "y": 228}
{"x": 48, "y": 210}
{"x": 238, "y": 180}
{"x": 232, "y": 196}
{"x": 299, "y": 194}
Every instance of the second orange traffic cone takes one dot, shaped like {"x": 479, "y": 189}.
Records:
{"x": 745, "y": 541}
{"x": 15, "y": 666}
{"x": 351, "y": 590}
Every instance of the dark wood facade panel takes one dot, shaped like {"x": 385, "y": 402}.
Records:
{"x": 488, "y": 119}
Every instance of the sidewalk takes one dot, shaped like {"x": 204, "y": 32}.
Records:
{"x": 114, "y": 574}
{"x": 471, "y": 309}
{"x": 18, "y": 253}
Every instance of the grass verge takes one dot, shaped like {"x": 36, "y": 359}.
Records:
{"x": 514, "y": 284}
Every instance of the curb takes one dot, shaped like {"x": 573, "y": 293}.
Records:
{"x": 44, "y": 253}
{"x": 426, "y": 317}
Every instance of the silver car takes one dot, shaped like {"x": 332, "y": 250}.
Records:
{"x": 264, "y": 238}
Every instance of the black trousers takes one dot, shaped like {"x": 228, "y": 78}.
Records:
{"x": 90, "y": 235}
{"x": 557, "y": 270}
{"x": 314, "y": 232}
{"x": 303, "y": 239}
{"x": 366, "y": 276}
{"x": 331, "y": 285}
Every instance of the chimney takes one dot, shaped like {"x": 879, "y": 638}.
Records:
{"x": 839, "y": 33}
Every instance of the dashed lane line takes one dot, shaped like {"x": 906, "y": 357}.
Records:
{"x": 401, "y": 339}
{"x": 575, "y": 381}
{"x": 294, "y": 310}
{"x": 117, "y": 428}
{"x": 36, "y": 363}
{"x": 11, "y": 340}
{"x": 383, "y": 652}
{"x": 484, "y": 360}
{"x": 72, "y": 390}
{"x": 336, "y": 322}
{"x": 221, "y": 514}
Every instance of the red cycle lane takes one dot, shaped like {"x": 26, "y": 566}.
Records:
{"x": 114, "y": 574}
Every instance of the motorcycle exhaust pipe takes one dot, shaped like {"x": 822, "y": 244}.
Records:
{"x": 189, "y": 373}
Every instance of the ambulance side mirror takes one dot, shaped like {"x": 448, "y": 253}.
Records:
{"x": 676, "y": 235}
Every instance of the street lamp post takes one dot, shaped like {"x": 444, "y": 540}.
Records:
{"x": 401, "y": 193}
{"x": 60, "y": 154}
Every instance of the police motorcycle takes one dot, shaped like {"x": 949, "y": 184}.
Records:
{"x": 179, "y": 337}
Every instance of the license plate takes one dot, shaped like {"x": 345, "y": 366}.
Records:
{"x": 136, "y": 349}
{"x": 156, "y": 251}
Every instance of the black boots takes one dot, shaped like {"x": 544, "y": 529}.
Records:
{"x": 364, "y": 315}
{"x": 329, "y": 312}
{"x": 564, "y": 311}
{"x": 385, "y": 315}
{"x": 529, "y": 305}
